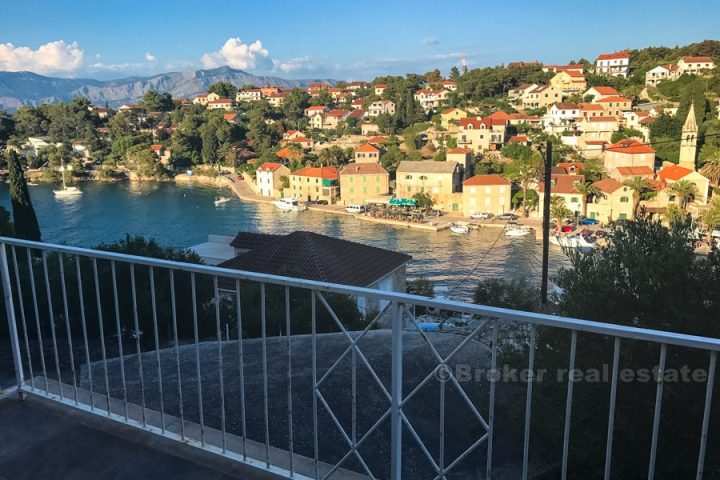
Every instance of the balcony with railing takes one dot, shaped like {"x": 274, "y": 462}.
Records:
{"x": 288, "y": 378}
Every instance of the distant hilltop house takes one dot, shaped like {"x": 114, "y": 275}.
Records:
{"x": 684, "y": 66}
{"x": 380, "y": 107}
{"x": 613, "y": 64}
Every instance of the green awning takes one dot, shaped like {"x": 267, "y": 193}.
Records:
{"x": 403, "y": 202}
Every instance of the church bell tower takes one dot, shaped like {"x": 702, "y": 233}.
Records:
{"x": 688, "y": 142}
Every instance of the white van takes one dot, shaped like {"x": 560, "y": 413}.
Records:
{"x": 355, "y": 208}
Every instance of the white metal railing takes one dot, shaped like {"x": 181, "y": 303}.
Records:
{"x": 113, "y": 372}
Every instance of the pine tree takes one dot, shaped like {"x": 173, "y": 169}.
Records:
{"x": 26, "y": 224}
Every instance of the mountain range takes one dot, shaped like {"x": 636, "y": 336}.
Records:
{"x": 27, "y": 88}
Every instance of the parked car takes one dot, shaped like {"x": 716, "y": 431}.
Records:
{"x": 601, "y": 233}
{"x": 435, "y": 213}
{"x": 588, "y": 221}
{"x": 321, "y": 202}
{"x": 507, "y": 216}
{"x": 481, "y": 215}
{"x": 240, "y": 177}
{"x": 568, "y": 228}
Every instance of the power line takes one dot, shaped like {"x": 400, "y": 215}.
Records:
{"x": 664, "y": 142}
{"x": 487, "y": 252}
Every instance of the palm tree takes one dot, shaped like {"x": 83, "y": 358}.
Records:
{"x": 642, "y": 190}
{"x": 558, "y": 210}
{"x": 686, "y": 190}
{"x": 588, "y": 190}
{"x": 711, "y": 217}
{"x": 525, "y": 170}
{"x": 711, "y": 169}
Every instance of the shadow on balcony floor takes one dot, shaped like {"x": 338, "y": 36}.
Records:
{"x": 41, "y": 441}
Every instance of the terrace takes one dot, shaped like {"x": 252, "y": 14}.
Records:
{"x": 126, "y": 363}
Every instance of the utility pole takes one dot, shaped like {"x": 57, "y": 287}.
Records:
{"x": 546, "y": 224}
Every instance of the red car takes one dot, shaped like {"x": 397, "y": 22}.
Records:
{"x": 568, "y": 228}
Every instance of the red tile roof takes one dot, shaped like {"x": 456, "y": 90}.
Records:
{"x": 269, "y": 166}
{"x": 518, "y": 138}
{"x": 590, "y": 106}
{"x": 608, "y": 185}
{"x": 364, "y": 169}
{"x": 614, "y": 98}
{"x": 614, "y": 56}
{"x": 564, "y": 184}
{"x": 697, "y": 59}
{"x": 603, "y": 118}
{"x": 673, "y": 172}
{"x": 377, "y": 139}
{"x": 338, "y": 113}
{"x": 634, "y": 171}
{"x": 366, "y": 148}
{"x": 630, "y": 146}
{"x": 487, "y": 180}
{"x": 606, "y": 90}
{"x": 220, "y": 100}
{"x": 459, "y": 151}
{"x": 327, "y": 173}
{"x": 469, "y": 121}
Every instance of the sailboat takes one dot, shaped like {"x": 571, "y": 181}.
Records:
{"x": 66, "y": 191}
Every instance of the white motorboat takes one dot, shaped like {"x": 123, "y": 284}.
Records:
{"x": 66, "y": 191}
{"x": 221, "y": 201}
{"x": 32, "y": 184}
{"x": 458, "y": 228}
{"x": 517, "y": 230}
{"x": 290, "y": 204}
{"x": 573, "y": 241}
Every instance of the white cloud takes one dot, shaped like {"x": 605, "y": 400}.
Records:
{"x": 237, "y": 54}
{"x": 430, "y": 41}
{"x": 53, "y": 57}
{"x": 150, "y": 57}
{"x": 115, "y": 67}
{"x": 293, "y": 65}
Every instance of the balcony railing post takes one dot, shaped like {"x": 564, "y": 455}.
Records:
{"x": 10, "y": 312}
{"x": 396, "y": 392}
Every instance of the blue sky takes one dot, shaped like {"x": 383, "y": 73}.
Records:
{"x": 341, "y": 40}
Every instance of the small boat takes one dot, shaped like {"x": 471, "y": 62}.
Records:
{"x": 66, "y": 191}
{"x": 290, "y": 204}
{"x": 517, "y": 230}
{"x": 573, "y": 241}
{"x": 457, "y": 228}
{"x": 221, "y": 201}
{"x": 32, "y": 184}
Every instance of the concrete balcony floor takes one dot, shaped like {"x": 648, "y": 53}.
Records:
{"x": 45, "y": 440}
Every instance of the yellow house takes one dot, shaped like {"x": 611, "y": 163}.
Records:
{"x": 314, "y": 183}
{"x": 440, "y": 180}
{"x": 564, "y": 186}
{"x": 486, "y": 193}
{"x": 569, "y": 81}
{"x": 362, "y": 181}
{"x": 615, "y": 201}
{"x": 674, "y": 173}
{"x": 615, "y": 105}
{"x": 367, "y": 153}
{"x": 449, "y": 115}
